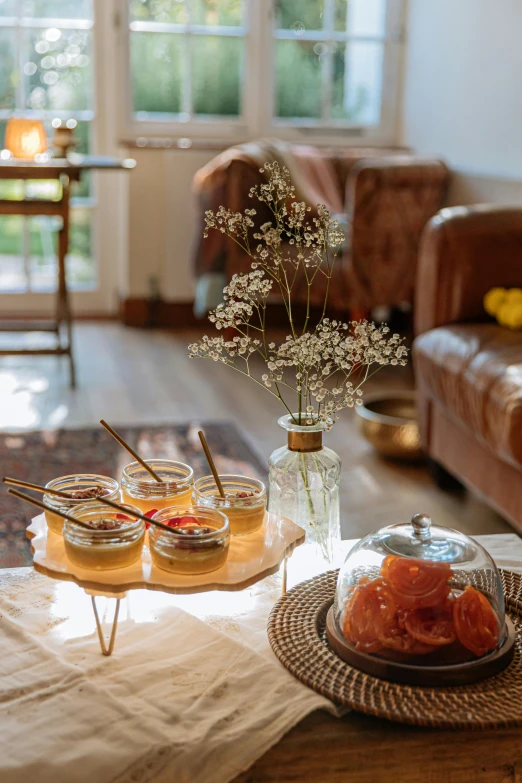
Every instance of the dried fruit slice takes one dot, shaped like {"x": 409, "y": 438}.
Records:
{"x": 475, "y": 621}
{"x": 402, "y": 642}
{"x": 416, "y": 584}
{"x": 370, "y": 613}
{"x": 431, "y": 626}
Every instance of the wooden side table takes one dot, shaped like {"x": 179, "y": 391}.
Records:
{"x": 65, "y": 171}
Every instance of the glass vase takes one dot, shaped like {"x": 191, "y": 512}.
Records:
{"x": 304, "y": 481}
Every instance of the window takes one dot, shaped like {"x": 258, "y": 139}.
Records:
{"x": 329, "y": 61}
{"x": 245, "y": 68}
{"x": 186, "y": 59}
{"x": 46, "y": 71}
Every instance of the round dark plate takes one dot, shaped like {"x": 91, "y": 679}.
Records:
{"x": 428, "y": 671}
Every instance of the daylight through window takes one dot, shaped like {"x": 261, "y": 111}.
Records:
{"x": 48, "y": 42}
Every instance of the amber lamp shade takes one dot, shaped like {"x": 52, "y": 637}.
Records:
{"x": 25, "y": 138}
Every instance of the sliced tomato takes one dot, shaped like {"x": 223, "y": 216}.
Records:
{"x": 476, "y": 623}
{"x": 432, "y": 626}
{"x": 416, "y": 584}
{"x": 369, "y": 613}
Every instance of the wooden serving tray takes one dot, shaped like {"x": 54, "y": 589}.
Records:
{"x": 423, "y": 670}
{"x": 250, "y": 559}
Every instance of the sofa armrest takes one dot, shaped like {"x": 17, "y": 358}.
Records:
{"x": 464, "y": 252}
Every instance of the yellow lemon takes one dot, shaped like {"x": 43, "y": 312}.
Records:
{"x": 494, "y": 300}
{"x": 510, "y": 315}
{"x": 514, "y": 296}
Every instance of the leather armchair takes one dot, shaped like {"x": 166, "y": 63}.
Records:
{"x": 469, "y": 369}
{"x": 382, "y": 196}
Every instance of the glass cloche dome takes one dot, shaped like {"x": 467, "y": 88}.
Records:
{"x": 418, "y": 595}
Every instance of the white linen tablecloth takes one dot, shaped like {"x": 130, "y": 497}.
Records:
{"x": 192, "y": 693}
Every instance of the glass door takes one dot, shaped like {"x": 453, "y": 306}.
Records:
{"x": 47, "y": 71}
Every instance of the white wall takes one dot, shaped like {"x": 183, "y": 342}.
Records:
{"x": 162, "y": 222}
{"x": 463, "y": 91}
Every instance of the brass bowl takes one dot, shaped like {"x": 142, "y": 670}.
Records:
{"x": 389, "y": 422}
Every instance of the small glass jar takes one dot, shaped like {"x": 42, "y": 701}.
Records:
{"x": 140, "y": 489}
{"x": 76, "y": 485}
{"x": 105, "y": 547}
{"x": 244, "y": 503}
{"x": 198, "y": 543}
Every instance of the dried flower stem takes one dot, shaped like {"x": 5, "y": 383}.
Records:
{"x": 317, "y": 366}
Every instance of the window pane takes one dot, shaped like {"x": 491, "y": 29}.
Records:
{"x": 216, "y": 68}
{"x": 7, "y": 7}
{"x": 43, "y": 188}
{"x": 157, "y": 72}
{"x": 58, "y": 69}
{"x": 172, "y": 11}
{"x": 299, "y": 15}
{"x": 82, "y": 133}
{"x": 81, "y": 272}
{"x": 42, "y": 253}
{"x": 12, "y": 189}
{"x": 81, "y": 268}
{"x": 298, "y": 79}
{"x": 357, "y": 88}
{"x": 12, "y": 275}
{"x": 361, "y": 17}
{"x": 217, "y": 12}
{"x": 57, "y": 9}
{"x": 7, "y": 69}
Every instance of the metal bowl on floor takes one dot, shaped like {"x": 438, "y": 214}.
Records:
{"x": 389, "y": 422}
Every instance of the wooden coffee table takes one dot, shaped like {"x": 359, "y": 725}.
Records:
{"x": 361, "y": 749}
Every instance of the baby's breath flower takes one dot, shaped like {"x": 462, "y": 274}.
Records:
{"x": 326, "y": 366}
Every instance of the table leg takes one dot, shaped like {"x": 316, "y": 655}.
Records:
{"x": 284, "y": 576}
{"x": 106, "y": 650}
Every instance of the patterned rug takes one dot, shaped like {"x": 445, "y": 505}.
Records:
{"x": 41, "y": 456}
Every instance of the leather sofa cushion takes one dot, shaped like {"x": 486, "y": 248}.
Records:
{"x": 475, "y": 372}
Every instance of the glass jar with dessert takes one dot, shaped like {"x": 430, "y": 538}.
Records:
{"x": 244, "y": 503}
{"x": 140, "y": 489}
{"x": 80, "y": 488}
{"x": 114, "y": 540}
{"x": 197, "y": 542}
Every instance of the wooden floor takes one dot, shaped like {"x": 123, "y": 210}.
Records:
{"x": 130, "y": 376}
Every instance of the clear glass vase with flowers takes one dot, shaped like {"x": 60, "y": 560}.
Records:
{"x": 318, "y": 370}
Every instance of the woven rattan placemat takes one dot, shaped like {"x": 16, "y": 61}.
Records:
{"x": 296, "y": 630}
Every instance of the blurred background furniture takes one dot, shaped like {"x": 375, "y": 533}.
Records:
{"x": 469, "y": 369}
{"x": 65, "y": 171}
{"x": 381, "y": 197}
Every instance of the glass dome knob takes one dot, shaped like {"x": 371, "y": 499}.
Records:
{"x": 421, "y": 524}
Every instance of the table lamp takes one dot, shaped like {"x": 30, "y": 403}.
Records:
{"x": 25, "y": 138}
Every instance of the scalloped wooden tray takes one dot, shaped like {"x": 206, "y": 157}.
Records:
{"x": 250, "y": 559}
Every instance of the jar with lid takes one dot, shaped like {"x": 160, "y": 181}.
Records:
{"x": 422, "y": 604}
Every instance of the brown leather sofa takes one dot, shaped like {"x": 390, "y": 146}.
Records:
{"x": 469, "y": 369}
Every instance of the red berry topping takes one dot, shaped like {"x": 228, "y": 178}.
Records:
{"x": 182, "y": 521}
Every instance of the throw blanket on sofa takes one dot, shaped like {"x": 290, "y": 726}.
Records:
{"x": 313, "y": 175}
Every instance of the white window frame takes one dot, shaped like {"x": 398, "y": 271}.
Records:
{"x": 258, "y": 88}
